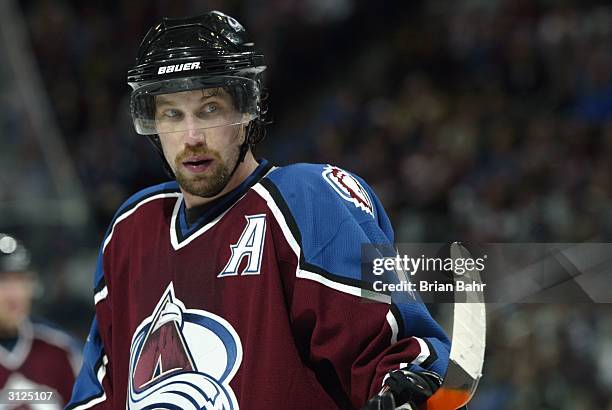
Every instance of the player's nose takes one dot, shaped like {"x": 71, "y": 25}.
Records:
{"x": 194, "y": 134}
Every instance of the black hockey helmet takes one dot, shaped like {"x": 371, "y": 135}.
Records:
{"x": 14, "y": 257}
{"x": 207, "y": 51}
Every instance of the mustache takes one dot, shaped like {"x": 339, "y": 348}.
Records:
{"x": 193, "y": 151}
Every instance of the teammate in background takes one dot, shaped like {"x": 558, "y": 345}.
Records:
{"x": 238, "y": 284}
{"x": 32, "y": 355}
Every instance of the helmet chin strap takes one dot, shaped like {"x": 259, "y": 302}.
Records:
{"x": 155, "y": 141}
{"x": 244, "y": 148}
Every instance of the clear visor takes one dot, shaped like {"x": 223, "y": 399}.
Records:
{"x": 182, "y": 104}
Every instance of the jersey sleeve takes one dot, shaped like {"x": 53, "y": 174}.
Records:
{"x": 92, "y": 388}
{"x": 351, "y": 342}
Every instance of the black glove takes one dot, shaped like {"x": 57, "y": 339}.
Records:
{"x": 405, "y": 387}
{"x": 383, "y": 401}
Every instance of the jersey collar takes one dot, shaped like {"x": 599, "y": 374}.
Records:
{"x": 191, "y": 220}
{"x": 13, "y": 359}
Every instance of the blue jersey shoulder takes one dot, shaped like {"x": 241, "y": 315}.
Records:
{"x": 135, "y": 199}
{"x": 335, "y": 213}
{"x": 332, "y": 193}
{"x": 318, "y": 185}
{"x": 170, "y": 186}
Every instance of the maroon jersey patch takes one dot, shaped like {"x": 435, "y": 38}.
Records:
{"x": 43, "y": 359}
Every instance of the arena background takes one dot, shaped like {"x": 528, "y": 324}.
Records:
{"x": 483, "y": 120}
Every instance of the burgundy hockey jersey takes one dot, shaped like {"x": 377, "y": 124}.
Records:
{"x": 254, "y": 303}
{"x": 43, "y": 359}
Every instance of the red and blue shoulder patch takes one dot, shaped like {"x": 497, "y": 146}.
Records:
{"x": 348, "y": 187}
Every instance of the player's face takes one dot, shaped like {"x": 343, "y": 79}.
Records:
{"x": 15, "y": 300}
{"x": 200, "y": 146}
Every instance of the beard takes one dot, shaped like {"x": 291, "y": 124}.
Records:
{"x": 212, "y": 182}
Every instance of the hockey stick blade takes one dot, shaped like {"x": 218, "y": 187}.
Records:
{"x": 467, "y": 344}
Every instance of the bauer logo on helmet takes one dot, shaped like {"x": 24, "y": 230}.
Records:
{"x": 178, "y": 67}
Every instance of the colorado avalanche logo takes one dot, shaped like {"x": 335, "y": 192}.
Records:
{"x": 183, "y": 359}
{"x": 348, "y": 188}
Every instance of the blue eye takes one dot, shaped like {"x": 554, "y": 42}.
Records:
{"x": 210, "y": 108}
{"x": 172, "y": 113}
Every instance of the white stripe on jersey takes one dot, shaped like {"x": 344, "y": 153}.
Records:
{"x": 100, "y": 376}
{"x": 131, "y": 211}
{"x": 305, "y": 274}
{"x": 59, "y": 339}
{"x": 394, "y": 327}
{"x": 101, "y": 295}
{"x": 176, "y": 245}
{"x": 423, "y": 355}
{"x": 13, "y": 359}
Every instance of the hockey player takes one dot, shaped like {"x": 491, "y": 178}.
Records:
{"x": 33, "y": 356}
{"x": 238, "y": 284}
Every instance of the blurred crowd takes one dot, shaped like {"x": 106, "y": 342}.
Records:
{"x": 549, "y": 358}
{"x": 484, "y": 120}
